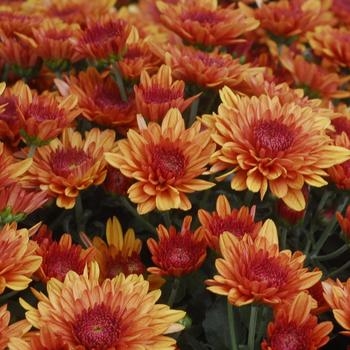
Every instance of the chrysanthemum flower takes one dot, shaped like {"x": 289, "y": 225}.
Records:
{"x": 17, "y": 21}
{"x": 10, "y": 334}
{"x": 341, "y": 120}
{"x": 316, "y": 292}
{"x": 295, "y": 17}
{"x": 103, "y": 38}
{"x": 166, "y": 161}
{"x": 294, "y": 327}
{"x": 44, "y": 116}
{"x": 177, "y": 253}
{"x": 71, "y": 164}
{"x": 341, "y": 8}
{"x": 155, "y": 95}
{"x": 16, "y": 203}
{"x": 118, "y": 314}
{"x": 344, "y": 221}
{"x": 256, "y": 271}
{"x": 337, "y": 295}
{"x": 18, "y": 259}
{"x": 205, "y": 22}
{"x": 267, "y": 143}
{"x": 236, "y": 221}
{"x": 333, "y": 44}
{"x": 99, "y": 99}
{"x": 61, "y": 257}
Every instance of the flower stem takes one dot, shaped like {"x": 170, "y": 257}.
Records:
{"x": 31, "y": 151}
{"x": 166, "y": 218}
{"x": 173, "y": 293}
{"x": 284, "y": 233}
{"x": 231, "y": 325}
{"x": 7, "y": 296}
{"x": 334, "y": 254}
{"x": 120, "y": 82}
{"x": 252, "y": 327}
{"x": 338, "y": 271}
{"x": 193, "y": 111}
{"x": 79, "y": 218}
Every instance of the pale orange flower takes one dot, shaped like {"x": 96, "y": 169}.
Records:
{"x": 294, "y": 325}
{"x": 166, "y": 161}
{"x": 256, "y": 271}
{"x": 123, "y": 308}
{"x": 71, "y": 164}
{"x": 155, "y": 95}
{"x": 271, "y": 144}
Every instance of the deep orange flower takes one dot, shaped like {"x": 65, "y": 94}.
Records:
{"x": 103, "y": 38}
{"x": 155, "y": 95}
{"x": 205, "y": 22}
{"x": 333, "y": 44}
{"x": 267, "y": 143}
{"x": 341, "y": 121}
{"x": 344, "y": 221}
{"x": 235, "y": 221}
{"x": 18, "y": 259}
{"x": 337, "y": 295}
{"x": 10, "y": 334}
{"x": 295, "y": 17}
{"x": 17, "y": 21}
{"x": 316, "y": 292}
{"x": 256, "y": 271}
{"x": 71, "y": 164}
{"x": 43, "y": 117}
{"x": 116, "y": 182}
{"x": 177, "y": 253}
{"x": 294, "y": 327}
{"x": 99, "y": 99}
{"x": 166, "y": 161}
{"x": 61, "y": 257}
{"x": 117, "y": 314}
{"x": 341, "y": 8}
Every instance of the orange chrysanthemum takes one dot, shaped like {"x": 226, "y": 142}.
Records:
{"x": 177, "y": 253}
{"x": 155, "y": 95}
{"x": 205, "y": 22}
{"x": 166, "y": 161}
{"x": 333, "y": 44}
{"x": 341, "y": 8}
{"x": 295, "y": 17}
{"x": 18, "y": 259}
{"x": 61, "y": 257}
{"x": 337, "y": 295}
{"x": 235, "y": 221}
{"x": 10, "y": 334}
{"x": 268, "y": 143}
{"x": 344, "y": 221}
{"x": 43, "y": 117}
{"x": 71, "y": 164}
{"x": 12, "y": 21}
{"x": 99, "y": 99}
{"x": 256, "y": 271}
{"x": 294, "y": 327}
{"x": 341, "y": 120}
{"x": 117, "y": 314}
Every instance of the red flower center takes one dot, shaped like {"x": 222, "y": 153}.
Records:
{"x": 108, "y": 97}
{"x": 158, "y": 94}
{"x": 41, "y": 111}
{"x": 210, "y": 61}
{"x": 273, "y": 136}
{"x": 231, "y": 224}
{"x": 203, "y": 17}
{"x": 133, "y": 52}
{"x": 342, "y": 124}
{"x": 54, "y": 34}
{"x": 167, "y": 161}
{"x": 126, "y": 265}
{"x": 97, "y": 328}
{"x": 10, "y": 112}
{"x": 98, "y": 33}
{"x": 65, "y": 161}
{"x": 290, "y": 337}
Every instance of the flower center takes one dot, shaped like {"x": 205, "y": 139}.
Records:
{"x": 104, "y": 32}
{"x": 203, "y": 17}
{"x": 273, "y": 136}
{"x": 65, "y": 161}
{"x": 209, "y": 60}
{"x": 41, "y": 112}
{"x": 158, "y": 94}
{"x": 126, "y": 265}
{"x": 54, "y": 34}
{"x": 108, "y": 97}
{"x": 10, "y": 111}
{"x": 97, "y": 328}
{"x": 290, "y": 337}
{"x": 167, "y": 161}
{"x": 341, "y": 124}
{"x": 231, "y": 224}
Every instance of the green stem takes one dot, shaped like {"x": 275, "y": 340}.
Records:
{"x": 166, "y": 218}
{"x": 193, "y": 111}
{"x": 31, "y": 151}
{"x": 334, "y": 254}
{"x": 231, "y": 325}
{"x": 252, "y": 327}
{"x": 341, "y": 269}
{"x": 79, "y": 218}
{"x": 284, "y": 234}
{"x": 173, "y": 293}
{"x": 7, "y": 296}
{"x": 120, "y": 82}
{"x": 248, "y": 198}
{"x": 323, "y": 201}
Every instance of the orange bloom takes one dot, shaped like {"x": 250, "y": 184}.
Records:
{"x": 16, "y": 203}
{"x": 235, "y": 221}
{"x": 116, "y": 183}
{"x": 316, "y": 292}
{"x": 295, "y": 17}
{"x": 205, "y": 22}
{"x": 177, "y": 253}
{"x": 294, "y": 327}
{"x": 155, "y": 96}
{"x": 10, "y": 334}
{"x": 341, "y": 121}
{"x": 337, "y": 295}
{"x": 71, "y": 164}
{"x": 103, "y": 38}
{"x": 166, "y": 161}
{"x": 344, "y": 221}
{"x": 341, "y": 8}
{"x": 18, "y": 259}
{"x": 61, "y": 257}
{"x": 43, "y": 117}
{"x": 267, "y": 143}
{"x": 99, "y": 99}
{"x": 256, "y": 271}
{"x": 117, "y": 314}
{"x": 333, "y": 44}
{"x": 12, "y": 21}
